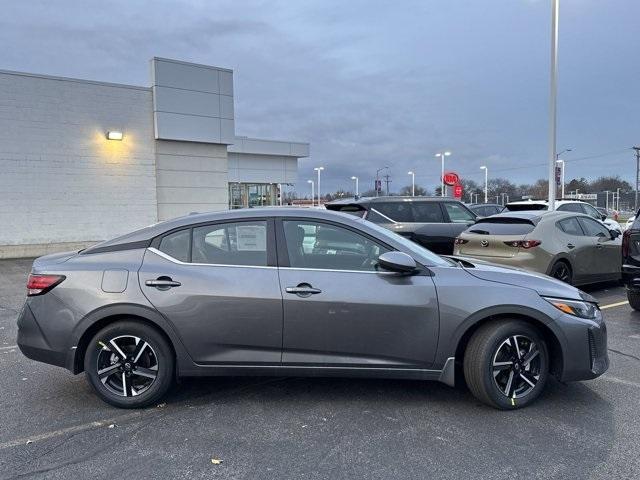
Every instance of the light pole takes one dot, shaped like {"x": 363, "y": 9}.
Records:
{"x": 413, "y": 183}
{"x": 618, "y": 199}
{"x": 318, "y": 169}
{"x": 378, "y": 177}
{"x": 555, "y": 7}
{"x": 442, "y": 155}
{"x": 313, "y": 193}
{"x": 486, "y": 182}
{"x": 356, "y": 179}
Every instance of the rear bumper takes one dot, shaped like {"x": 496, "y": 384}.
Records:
{"x": 631, "y": 276}
{"x": 33, "y": 343}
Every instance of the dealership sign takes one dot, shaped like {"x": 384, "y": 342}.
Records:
{"x": 457, "y": 191}
{"x": 450, "y": 179}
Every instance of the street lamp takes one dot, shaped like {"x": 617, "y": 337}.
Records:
{"x": 313, "y": 193}
{"x": 442, "y": 155}
{"x": 356, "y": 179}
{"x": 413, "y": 183}
{"x": 486, "y": 182}
{"x": 318, "y": 169}
{"x": 553, "y": 91}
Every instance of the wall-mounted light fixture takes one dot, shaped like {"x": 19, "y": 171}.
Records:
{"x": 114, "y": 135}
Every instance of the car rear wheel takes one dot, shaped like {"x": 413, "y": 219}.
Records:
{"x": 129, "y": 364}
{"x": 634, "y": 299}
{"x": 506, "y": 364}
{"x": 562, "y": 271}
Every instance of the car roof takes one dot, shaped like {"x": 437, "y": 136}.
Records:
{"x": 534, "y": 215}
{"x": 394, "y": 198}
{"x": 484, "y": 205}
{"x": 144, "y": 235}
{"x": 545, "y": 202}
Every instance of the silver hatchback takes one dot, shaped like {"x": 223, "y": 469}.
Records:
{"x": 301, "y": 292}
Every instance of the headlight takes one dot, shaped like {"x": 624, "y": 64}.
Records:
{"x": 576, "y": 308}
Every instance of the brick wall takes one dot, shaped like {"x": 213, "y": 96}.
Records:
{"x": 60, "y": 179}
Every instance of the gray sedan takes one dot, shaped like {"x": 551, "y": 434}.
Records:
{"x": 301, "y": 292}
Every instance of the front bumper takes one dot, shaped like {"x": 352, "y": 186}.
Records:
{"x": 585, "y": 355}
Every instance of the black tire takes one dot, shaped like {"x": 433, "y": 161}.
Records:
{"x": 634, "y": 299}
{"x": 134, "y": 386}
{"x": 493, "y": 341}
{"x": 561, "y": 270}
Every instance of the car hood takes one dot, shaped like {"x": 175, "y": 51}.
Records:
{"x": 543, "y": 284}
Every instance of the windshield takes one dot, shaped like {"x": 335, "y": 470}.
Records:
{"x": 422, "y": 253}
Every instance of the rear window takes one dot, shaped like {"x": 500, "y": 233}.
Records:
{"x": 522, "y": 207}
{"x": 502, "y": 226}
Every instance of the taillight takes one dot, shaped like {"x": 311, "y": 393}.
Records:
{"x": 626, "y": 239}
{"x": 39, "y": 284}
{"x": 460, "y": 241}
{"x": 523, "y": 243}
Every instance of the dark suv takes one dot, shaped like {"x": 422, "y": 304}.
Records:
{"x": 631, "y": 262}
{"x": 433, "y": 222}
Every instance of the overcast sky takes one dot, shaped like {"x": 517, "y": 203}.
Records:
{"x": 372, "y": 83}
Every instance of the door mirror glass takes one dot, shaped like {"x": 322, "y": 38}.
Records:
{"x": 614, "y": 234}
{"x": 398, "y": 262}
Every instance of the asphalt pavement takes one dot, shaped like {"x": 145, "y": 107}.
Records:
{"x": 53, "y": 426}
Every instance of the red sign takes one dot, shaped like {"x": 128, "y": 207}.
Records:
{"x": 450, "y": 178}
{"x": 457, "y": 191}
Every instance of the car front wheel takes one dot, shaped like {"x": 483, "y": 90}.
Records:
{"x": 506, "y": 364}
{"x": 129, "y": 364}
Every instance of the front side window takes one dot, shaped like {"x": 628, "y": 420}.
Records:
{"x": 458, "y": 214}
{"x": 329, "y": 247}
{"x": 241, "y": 243}
{"x": 592, "y": 212}
{"x": 592, "y": 228}
{"x": 427, "y": 212}
{"x": 176, "y": 245}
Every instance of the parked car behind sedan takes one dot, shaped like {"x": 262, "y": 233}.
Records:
{"x": 433, "y": 222}
{"x": 631, "y": 261}
{"x": 574, "y": 248}
{"x": 485, "y": 209}
{"x": 282, "y": 291}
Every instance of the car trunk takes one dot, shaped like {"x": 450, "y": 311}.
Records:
{"x": 494, "y": 237}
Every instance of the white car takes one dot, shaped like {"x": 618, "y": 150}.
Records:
{"x": 629, "y": 222}
{"x": 577, "y": 206}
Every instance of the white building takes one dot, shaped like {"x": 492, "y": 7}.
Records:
{"x": 64, "y": 184}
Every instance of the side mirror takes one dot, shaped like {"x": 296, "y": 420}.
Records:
{"x": 603, "y": 217}
{"x": 398, "y": 262}
{"x": 614, "y": 234}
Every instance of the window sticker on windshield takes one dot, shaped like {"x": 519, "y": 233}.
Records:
{"x": 251, "y": 238}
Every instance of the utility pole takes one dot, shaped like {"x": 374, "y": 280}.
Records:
{"x": 387, "y": 181}
{"x": 555, "y": 7}
{"x": 637, "y": 149}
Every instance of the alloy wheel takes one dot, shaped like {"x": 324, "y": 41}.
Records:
{"x": 516, "y": 366}
{"x": 562, "y": 273}
{"x": 127, "y": 365}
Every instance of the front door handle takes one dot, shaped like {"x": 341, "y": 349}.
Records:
{"x": 570, "y": 246}
{"x": 303, "y": 290}
{"x": 162, "y": 283}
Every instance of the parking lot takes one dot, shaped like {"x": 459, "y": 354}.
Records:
{"x": 53, "y": 426}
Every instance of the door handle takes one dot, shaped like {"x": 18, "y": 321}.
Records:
{"x": 162, "y": 283}
{"x": 570, "y": 245}
{"x": 303, "y": 290}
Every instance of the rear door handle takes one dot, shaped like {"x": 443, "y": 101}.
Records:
{"x": 162, "y": 283}
{"x": 570, "y": 245}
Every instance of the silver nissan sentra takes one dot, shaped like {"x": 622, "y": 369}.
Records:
{"x": 280, "y": 291}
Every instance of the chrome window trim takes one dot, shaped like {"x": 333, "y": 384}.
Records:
{"x": 180, "y": 262}
{"x": 336, "y": 270}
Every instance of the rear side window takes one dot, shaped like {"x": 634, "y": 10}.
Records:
{"x": 241, "y": 243}
{"x": 502, "y": 226}
{"x": 458, "y": 214}
{"x": 570, "y": 226}
{"x": 397, "y": 211}
{"x": 176, "y": 245}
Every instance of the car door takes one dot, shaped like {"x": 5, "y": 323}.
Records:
{"x": 606, "y": 251}
{"x": 577, "y": 246}
{"x": 341, "y": 311}
{"x": 218, "y": 285}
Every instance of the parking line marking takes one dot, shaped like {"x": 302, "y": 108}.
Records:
{"x": 9, "y": 347}
{"x": 611, "y": 305}
{"x": 621, "y": 381}
{"x": 63, "y": 431}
